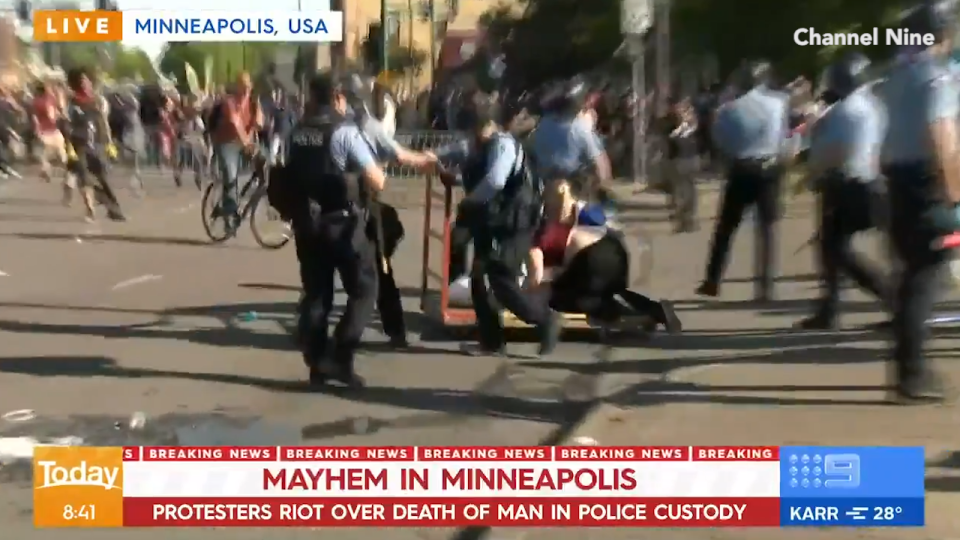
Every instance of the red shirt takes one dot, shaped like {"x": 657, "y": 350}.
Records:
{"x": 44, "y": 108}
{"x": 553, "y": 243}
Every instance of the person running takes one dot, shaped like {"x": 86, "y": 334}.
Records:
{"x": 89, "y": 136}
{"x": 45, "y": 117}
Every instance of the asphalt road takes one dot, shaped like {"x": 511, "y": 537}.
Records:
{"x": 106, "y": 322}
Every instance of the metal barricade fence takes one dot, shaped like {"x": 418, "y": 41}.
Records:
{"x": 421, "y": 140}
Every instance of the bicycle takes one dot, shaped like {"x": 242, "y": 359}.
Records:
{"x": 252, "y": 193}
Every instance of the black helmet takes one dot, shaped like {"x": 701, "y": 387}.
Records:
{"x": 324, "y": 86}
{"x": 357, "y": 90}
{"x": 930, "y": 17}
{"x": 568, "y": 97}
{"x": 846, "y": 75}
{"x": 484, "y": 109}
{"x": 575, "y": 92}
{"x": 755, "y": 73}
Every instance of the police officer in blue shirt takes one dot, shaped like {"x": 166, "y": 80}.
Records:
{"x": 919, "y": 159}
{"x": 564, "y": 143}
{"x": 494, "y": 176}
{"x": 385, "y": 226}
{"x": 845, "y": 161}
{"x": 331, "y": 170}
{"x": 751, "y": 133}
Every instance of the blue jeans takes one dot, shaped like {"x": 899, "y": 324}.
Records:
{"x": 229, "y": 158}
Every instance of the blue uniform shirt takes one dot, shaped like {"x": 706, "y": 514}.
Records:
{"x": 564, "y": 146}
{"x": 753, "y": 126}
{"x": 504, "y": 160}
{"x": 854, "y": 128}
{"x": 384, "y": 145}
{"x": 349, "y": 150}
{"x": 919, "y": 92}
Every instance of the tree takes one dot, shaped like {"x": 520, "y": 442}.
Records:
{"x": 134, "y": 64}
{"x": 406, "y": 61}
{"x": 229, "y": 59}
{"x": 558, "y": 38}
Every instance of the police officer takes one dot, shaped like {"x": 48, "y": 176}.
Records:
{"x": 88, "y": 133}
{"x": 751, "y": 133}
{"x": 919, "y": 159}
{"x": 332, "y": 166}
{"x": 845, "y": 158}
{"x": 386, "y": 228}
{"x": 565, "y": 143}
{"x": 492, "y": 166}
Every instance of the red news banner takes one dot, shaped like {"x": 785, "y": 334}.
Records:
{"x": 676, "y": 486}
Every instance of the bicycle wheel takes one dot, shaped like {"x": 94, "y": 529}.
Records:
{"x": 211, "y": 212}
{"x": 268, "y": 228}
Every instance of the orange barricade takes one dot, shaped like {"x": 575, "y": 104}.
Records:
{"x": 435, "y": 279}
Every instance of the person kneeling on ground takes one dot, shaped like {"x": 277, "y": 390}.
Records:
{"x": 589, "y": 264}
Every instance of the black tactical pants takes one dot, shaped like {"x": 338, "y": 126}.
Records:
{"x": 913, "y": 194}
{"x": 335, "y": 244}
{"x": 846, "y": 211}
{"x": 750, "y": 183}
{"x": 497, "y": 262}
{"x": 594, "y": 278}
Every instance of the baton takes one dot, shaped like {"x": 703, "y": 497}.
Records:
{"x": 378, "y": 232}
{"x": 813, "y": 240}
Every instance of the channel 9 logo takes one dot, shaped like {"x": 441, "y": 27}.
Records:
{"x": 831, "y": 471}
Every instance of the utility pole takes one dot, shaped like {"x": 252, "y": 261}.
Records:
{"x": 384, "y": 38}
{"x": 432, "y": 14}
{"x": 636, "y": 18}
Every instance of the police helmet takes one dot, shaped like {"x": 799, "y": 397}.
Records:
{"x": 755, "y": 73}
{"x": 357, "y": 90}
{"x": 485, "y": 109}
{"x": 937, "y": 17}
{"x": 325, "y": 86}
{"x": 848, "y": 74}
{"x": 574, "y": 96}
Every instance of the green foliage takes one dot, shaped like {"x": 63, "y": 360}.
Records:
{"x": 229, "y": 59}
{"x": 557, "y": 38}
{"x": 112, "y": 60}
{"x": 404, "y": 60}
{"x": 133, "y": 64}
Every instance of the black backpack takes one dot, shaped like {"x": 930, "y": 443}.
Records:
{"x": 522, "y": 197}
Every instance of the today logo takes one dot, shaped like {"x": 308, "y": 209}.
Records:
{"x": 85, "y": 477}
{"x": 82, "y": 474}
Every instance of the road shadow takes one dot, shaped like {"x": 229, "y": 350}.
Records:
{"x": 796, "y": 278}
{"x": 496, "y": 396}
{"x": 405, "y": 292}
{"x": 243, "y": 325}
{"x": 122, "y": 238}
{"x": 270, "y": 287}
{"x": 772, "y": 307}
{"x": 12, "y": 217}
{"x": 661, "y": 390}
